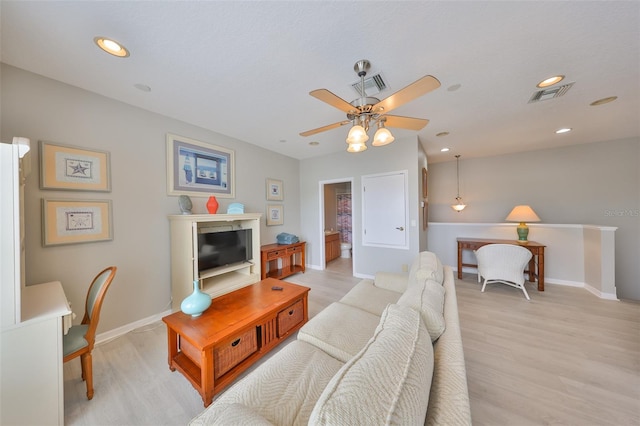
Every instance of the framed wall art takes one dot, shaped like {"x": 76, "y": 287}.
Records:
{"x": 76, "y": 221}
{"x": 199, "y": 169}
{"x": 274, "y": 215}
{"x": 424, "y": 183}
{"x": 275, "y": 191}
{"x": 73, "y": 168}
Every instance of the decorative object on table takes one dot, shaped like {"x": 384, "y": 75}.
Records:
{"x": 212, "y": 205}
{"x": 76, "y": 221}
{"x": 274, "y": 215}
{"x": 196, "y": 168}
{"x": 235, "y": 208}
{"x": 275, "y": 190}
{"x": 185, "y": 204}
{"x": 73, "y": 168}
{"x": 459, "y": 205}
{"x": 285, "y": 238}
{"x": 523, "y": 214}
{"x": 197, "y": 302}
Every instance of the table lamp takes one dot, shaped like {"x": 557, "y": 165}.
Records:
{"x": 523, "y": 214}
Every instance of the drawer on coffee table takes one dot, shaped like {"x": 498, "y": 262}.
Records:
{"x": 231, "y": 353}
{"x": 289, "y": 317}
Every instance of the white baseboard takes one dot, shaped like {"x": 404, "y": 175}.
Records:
{"x": 590, "y": 289}
{"x": 117, "y": 332}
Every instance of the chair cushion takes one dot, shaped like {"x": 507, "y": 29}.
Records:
{"x": 387, "y": 382}
{"x": 340, "y": 330}
{"x": 426, "y": 266}
{"x": 428, "y": 299}
{"x": 74, "y": 339}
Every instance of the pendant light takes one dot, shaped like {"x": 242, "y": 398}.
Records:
{"x": 459, "y": 205}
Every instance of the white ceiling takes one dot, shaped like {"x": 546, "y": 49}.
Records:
{"x": 244, "y": 69}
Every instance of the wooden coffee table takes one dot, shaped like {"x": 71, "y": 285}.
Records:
{"x": 238, "y": 329}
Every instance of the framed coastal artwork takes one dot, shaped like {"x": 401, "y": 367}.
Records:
{"x": 275, "y": 190}
{"x": 275, "y": 215}
{"x": 68, "y": 167}
{"x": 199, "y": 169}
{"x": 76, "y": 221}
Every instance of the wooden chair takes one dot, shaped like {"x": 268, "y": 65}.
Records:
{"x": 503, "y": 263}
{"x": 78, "y": 342}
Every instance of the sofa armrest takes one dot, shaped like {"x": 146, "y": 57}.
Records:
{"x": 391, "y": 281}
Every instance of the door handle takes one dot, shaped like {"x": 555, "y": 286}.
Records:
{"x": 400, "y": 228}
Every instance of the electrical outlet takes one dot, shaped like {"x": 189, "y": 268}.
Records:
{"x": 405, "y": 267}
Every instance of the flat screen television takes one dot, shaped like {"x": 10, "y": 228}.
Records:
{"x": 223, "y": 248}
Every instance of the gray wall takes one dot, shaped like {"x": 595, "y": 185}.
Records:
{"x": 401, "y": 155}
{"x": 595, "y": 184}
{"x": 43, "y": 109}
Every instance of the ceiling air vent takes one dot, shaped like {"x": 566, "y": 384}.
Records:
{"x": 554, "y": 92}
{"x": 372, "y": 85}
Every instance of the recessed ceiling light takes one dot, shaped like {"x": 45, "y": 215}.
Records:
{"x": 142, "y": 87}
{"x": 442, "y": 134}
{"x": 550, "y": 81}
{"x": 563, "y": 130}
{"x": 444, "y": 150}
{"x": 111, "y": 46}
{"x": 603, "y": 101}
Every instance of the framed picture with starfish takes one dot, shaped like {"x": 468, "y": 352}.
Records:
{"x": 74, "y": 168}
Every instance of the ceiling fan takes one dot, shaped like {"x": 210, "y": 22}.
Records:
{"x": 366, "y": 110}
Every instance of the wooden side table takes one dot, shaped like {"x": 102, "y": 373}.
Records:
{"x": 536, "y": 249}
{"x": 233, "y": 333}
{"x": 282, "y": 260}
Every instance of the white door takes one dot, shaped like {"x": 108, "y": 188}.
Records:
{"x": 384, "y": 210}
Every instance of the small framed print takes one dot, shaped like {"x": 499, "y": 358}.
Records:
{"x": 275, "y": 191}
{"x": 73, "y": 168}
{"x": 76, "y": 221}
{"x": 274, "y": 215}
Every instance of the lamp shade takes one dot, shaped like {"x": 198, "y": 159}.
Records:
{"x": 383, "y": 136}
{"x": 23, "y": 144}
{"x": 357, "y": 135}
{"x": 523, "y": 214}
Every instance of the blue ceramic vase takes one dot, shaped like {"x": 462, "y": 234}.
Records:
{"x": 197, "y": 302}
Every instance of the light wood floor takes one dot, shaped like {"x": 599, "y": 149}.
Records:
{"x": 564, "y": 358}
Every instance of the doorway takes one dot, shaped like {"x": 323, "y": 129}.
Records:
{"x": 337, "y": 226}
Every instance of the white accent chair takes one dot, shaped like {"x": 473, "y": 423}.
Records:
{"x": 503, "y": 263}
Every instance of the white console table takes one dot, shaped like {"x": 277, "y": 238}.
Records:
{"x": 31, "y": 363}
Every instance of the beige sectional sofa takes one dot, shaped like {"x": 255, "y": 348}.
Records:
{"x": 389, "y": 352}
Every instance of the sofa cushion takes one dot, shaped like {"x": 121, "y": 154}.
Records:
{"x": 232, "y": 414}
{"x": 426, "y": 266}
{"x": 340, "y": 330}
{"x": 388, "y": 381}
{"x": 283, "y": 390}
{"x": 428, "y": 299}
{"x": 368, "y": 297}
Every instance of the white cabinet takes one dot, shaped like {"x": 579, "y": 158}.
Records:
{"x": 31, "y": 375}
{"x": 184, "y": 255}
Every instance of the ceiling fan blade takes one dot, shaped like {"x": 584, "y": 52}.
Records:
{"x": 405, "y": 122}
{"x": 324, "y": 128}
{"x": 416, "y": 89}
{"x": 335, "y": 101}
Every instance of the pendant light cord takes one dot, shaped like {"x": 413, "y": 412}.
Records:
{"x": 458, "y": 174}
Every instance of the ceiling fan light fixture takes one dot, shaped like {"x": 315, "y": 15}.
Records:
{"x": 382, "y": 136}
{"x": 357, "y": 147}
{"x": 357, "y": 135}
